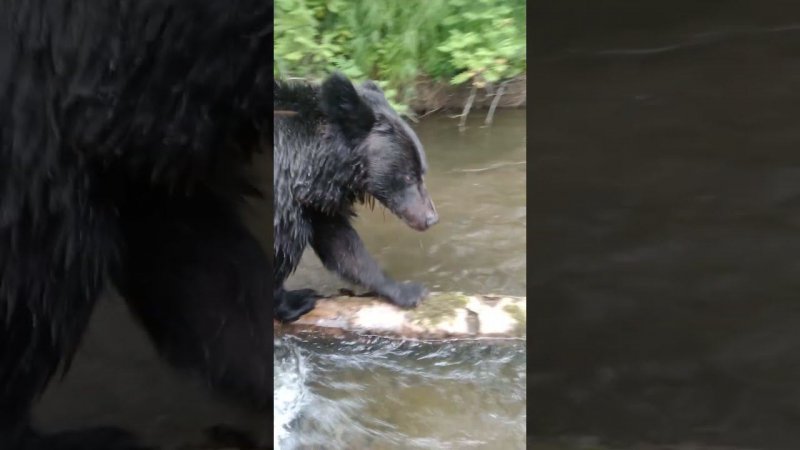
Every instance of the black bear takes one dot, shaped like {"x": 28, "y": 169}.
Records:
{"x": 127, "y": 130}
{"x": 336, "y": 145}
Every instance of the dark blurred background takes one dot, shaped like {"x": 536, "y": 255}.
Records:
{"x": 665, "y": 224}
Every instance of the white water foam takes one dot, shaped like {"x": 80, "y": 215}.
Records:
{"x": 291, "y": 392}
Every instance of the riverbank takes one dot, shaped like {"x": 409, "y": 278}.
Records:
{"x": 435, "y": 95}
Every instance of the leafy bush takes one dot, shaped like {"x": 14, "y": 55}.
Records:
{"x": 396, "y": 41}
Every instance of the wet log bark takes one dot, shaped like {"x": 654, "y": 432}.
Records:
{"x": 442, "y": 316}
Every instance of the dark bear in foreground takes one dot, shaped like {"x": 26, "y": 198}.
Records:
{"x": 126, "y": 129}
{"x": 341, "y": 144}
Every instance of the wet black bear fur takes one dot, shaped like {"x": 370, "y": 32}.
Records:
{"x": 126, "y": 131}
{"x": 336, "y": 145}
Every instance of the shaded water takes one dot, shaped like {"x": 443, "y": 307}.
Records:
{"x": 664, "y": 275}
{"x": 385, "y": 395}
{"x": 389, "y": 396}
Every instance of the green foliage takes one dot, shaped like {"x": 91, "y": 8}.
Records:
{"x": 484, "y": 44}
{"x": 299, "y": 41}
{"x": 396, "y": 41}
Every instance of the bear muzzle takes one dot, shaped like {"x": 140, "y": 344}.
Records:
{"x": 418, "y": 210}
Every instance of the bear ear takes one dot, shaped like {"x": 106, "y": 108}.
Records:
{"x": 372, "y": 86}
{"x": 343, "y": 106}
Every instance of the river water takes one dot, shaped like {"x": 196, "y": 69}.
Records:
{"x": 367, "y": 394}
{"x": 664, "y": 275}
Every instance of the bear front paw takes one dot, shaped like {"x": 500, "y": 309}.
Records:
{"x": 408, "y": 294}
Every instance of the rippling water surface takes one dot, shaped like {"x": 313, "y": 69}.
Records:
{"x": 664, "y": 280}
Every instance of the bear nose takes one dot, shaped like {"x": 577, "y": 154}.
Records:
{"x": 431, "y": 218}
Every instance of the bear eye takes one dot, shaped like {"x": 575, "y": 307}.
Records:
{"x": 408, "y": 179}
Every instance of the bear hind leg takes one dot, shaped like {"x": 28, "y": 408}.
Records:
{"x": 291, "y": 305}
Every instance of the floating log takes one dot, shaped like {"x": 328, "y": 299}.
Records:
{"x": 441, "y": 316}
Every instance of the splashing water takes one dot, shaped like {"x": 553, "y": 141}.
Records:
{"x": 291, "y": 394}
{"x": 388, "y": 394}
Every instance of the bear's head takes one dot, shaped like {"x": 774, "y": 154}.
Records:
{"x": 390, "y": 150}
